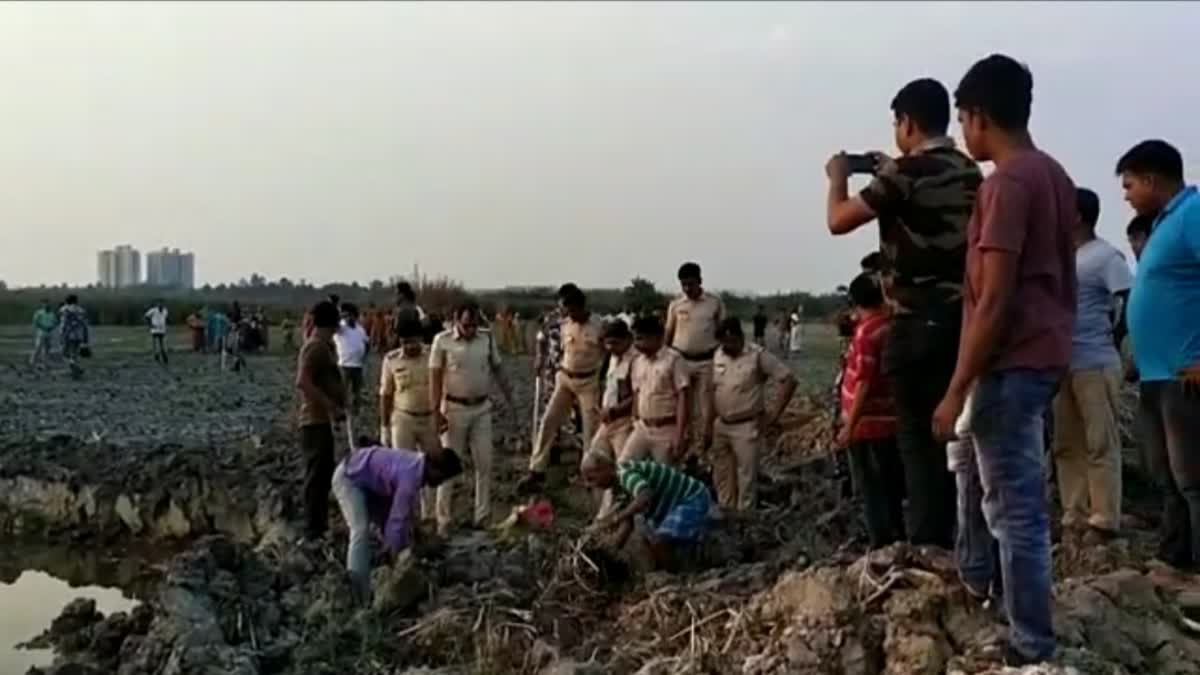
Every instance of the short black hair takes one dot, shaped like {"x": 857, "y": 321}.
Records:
{"x": 405, "y": 290}
{"x": 1141, "y": 224}
{"x": 72, "y": 299}
{"x": 617, "y": 329}
{"x": 446, "y": 462}
{"x": 572, "y": 296}
{"x": 1156, "y": 157}
{"x": 409, "y": 328}
{"x": 1088, "y": 205}
{"x": 350, "y": 308}
{"x": 689, "y": 270}
{"x": 927, "y": 103}
{"x": 466, "y": 306}
{"x": 333, "y": 297}
{"x": 1000, "y": 88}
{"x": 865, "y": 292}
{"x": 872, "y": 262}
{"x": 325, "y": 314}
{"x": 648, "y": 325}
{"x": 730, "y": 327}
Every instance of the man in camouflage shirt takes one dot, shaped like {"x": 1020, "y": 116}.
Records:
{"x": 922, "y": 201}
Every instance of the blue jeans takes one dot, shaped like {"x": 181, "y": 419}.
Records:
{"x": 1002, "y": 500}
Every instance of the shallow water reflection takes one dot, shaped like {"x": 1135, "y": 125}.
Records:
{"x": 31, "y": 602}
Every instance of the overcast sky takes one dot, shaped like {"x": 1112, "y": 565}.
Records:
{"x": 524, "y": 143}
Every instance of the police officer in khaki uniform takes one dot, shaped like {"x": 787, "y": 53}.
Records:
{"x": 616, "y": 413}
{"x": 735, "y": 427}
{"x": 404, "y": 408}
{"x": 692, "y": 320}
{"x": 576, "y": 382}
{"x": 661, "y": 399}
{"x": 463, "y": 361}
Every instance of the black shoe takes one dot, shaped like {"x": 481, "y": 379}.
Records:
{"x": 531, "y": 484}
{"x": 1015, "y": 659}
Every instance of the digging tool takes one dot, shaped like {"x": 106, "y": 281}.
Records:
{"x": 537, "y": 404}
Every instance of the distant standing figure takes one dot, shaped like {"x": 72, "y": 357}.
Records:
{"x": 45, "y": 321}
{"x": 691, "y": 330}
{"x": 322, "y": 398}
{"x": 288, "y": 326}
{"x": 352, "y": 344}
{"x": 195, "y": 323}
{"x": 156, "y": 316}
{"x": 75, "y": 335}
{"x": 760, "y": 326}
{"x": 796, "y": 333}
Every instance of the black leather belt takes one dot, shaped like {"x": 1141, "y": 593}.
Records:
{"x": 473, "y": 401}
{"x": 697, "y": 356}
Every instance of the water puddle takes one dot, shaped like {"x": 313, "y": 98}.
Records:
{"x": 31, "y": 602}
{"x": 38, "y": 579}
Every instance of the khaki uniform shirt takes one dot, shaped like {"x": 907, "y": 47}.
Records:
{"x": 468, "y": 363}
{"x": 694, "y": 323}
{"x": 583, "y": 344}
{"x": 738, "y": 381}
{"x": 657, "y": 383}
{"x": 406, "y": 380}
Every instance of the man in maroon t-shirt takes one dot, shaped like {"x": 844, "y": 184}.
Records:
{"x": 1019, "y": 311}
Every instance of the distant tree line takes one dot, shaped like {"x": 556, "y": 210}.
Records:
{"x": 285, "y": 298}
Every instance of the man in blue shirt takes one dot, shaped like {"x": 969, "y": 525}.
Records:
{"x": 1164, "y": 326}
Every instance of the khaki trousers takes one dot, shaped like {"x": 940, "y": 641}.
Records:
{"x": 567, "y": 390}
{"x": 1087, "y": 447}
{"x": 610, "y": 441}
{"x": 735, "y": 454}
{"x": 470, "y": 435}
{"x": 655, "y": 442}
{"x": 416, "y": 432}
{"x": 700, "y": 377}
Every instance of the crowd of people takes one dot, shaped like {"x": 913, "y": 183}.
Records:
{"x": 991, "y": 303}
{"x": 991, "y": 314}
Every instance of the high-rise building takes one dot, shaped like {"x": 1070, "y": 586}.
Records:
{"x": 170, "y": 268}
{"x": 120, "y": 267}
{"x": 106, "y": 269}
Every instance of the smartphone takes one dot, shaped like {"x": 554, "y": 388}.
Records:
{"x": 860, "y": 163}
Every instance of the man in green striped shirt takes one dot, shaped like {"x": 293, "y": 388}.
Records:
{"x": 674, "y": 504}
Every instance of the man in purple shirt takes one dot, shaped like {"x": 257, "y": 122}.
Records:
{"x": 1019, "y": 313}
{"x": 382, "y": 485}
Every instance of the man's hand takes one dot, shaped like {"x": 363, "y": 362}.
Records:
{"x": 707, "y": 441}
{"x": 385, "y": 435}
{"x": 440, "y": 422}
{"x": 884, "y": 164}
{"x": 842, "y": 440}
{"x": 946, "y": 416}
{"x": 605, "y": 416}
{"x": 837, "y": 168}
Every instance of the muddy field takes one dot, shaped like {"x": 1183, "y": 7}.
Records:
{"x": 193, "y": 473}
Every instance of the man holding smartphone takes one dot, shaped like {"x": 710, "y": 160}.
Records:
{"x": 922, "y": 201}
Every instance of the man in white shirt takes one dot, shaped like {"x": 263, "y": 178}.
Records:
{"x": 352, "y": 344}
{"x": 156, "y": 316}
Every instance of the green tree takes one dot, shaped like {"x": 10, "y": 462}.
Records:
{"x": 641, "y": 295}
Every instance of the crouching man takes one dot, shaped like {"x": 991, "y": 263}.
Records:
{"x": 382, "y": 486}
{"x": 675, "y": 505}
